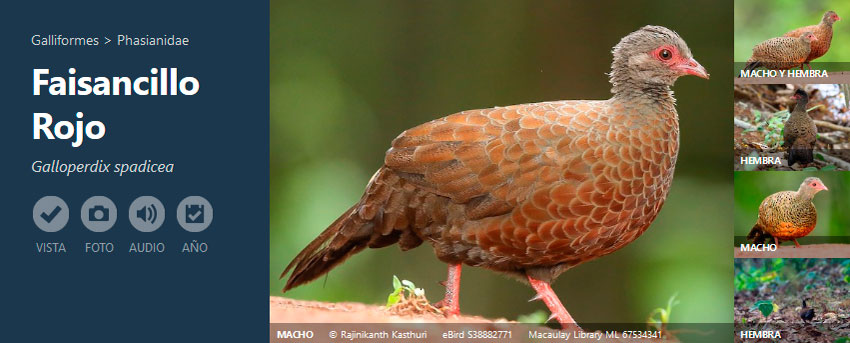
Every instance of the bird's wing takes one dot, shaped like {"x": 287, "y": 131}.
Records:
{"x": 487, "y": 158}
{"x": 777, "y": 50}
{"x": 789, "y": 134}
{"x": 813, "y": 132}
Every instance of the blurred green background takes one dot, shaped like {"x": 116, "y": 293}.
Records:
{"x": 760, "y": 20}
{"x": 752, "y": 187}
{"x": 348, "y": 77}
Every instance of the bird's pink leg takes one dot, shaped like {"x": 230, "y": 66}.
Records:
{"x": 796, "y": 245}
{"x": 545, "y": 293}
{"x": 776, "y": 240}
{"x": 451, "y": 303}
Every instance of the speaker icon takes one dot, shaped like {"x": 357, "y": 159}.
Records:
{"x": 147, "y": 213}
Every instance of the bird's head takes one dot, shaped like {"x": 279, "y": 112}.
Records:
{"x": 830, "y": 17}
{"x": 808, "y": 36}
{"x": 811, "y": 186}
{"x": 802, "y": 98}
{"x": 653, "y": 55}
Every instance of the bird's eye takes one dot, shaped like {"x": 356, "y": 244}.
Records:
{"x": 665, "y": 54}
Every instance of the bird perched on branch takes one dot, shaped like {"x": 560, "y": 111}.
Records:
{"x": 781, "y": 52}
{"x": 823, "y": 33}
{"x": 529, "y": 190}
{"x": 800, "y": 132}
{"x": 787, "y": 215}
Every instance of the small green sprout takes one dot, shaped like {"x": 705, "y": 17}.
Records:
{"x": 400, "y": 286}
{"x": 664, "y": 314}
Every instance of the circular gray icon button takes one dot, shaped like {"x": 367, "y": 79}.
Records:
{"x": 147, "y": 213}
{"x": 98, "y": 213}
{"x": 194, "y": 213}
{"x": 50, "y": 213}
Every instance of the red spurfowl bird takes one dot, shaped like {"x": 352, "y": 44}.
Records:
{"x": 800, "y": 132}
{"x": 781, "y": 52}
{"x": 807, "y": 313}
{"x": 529, "y": 190}
{"x": 823, "y": 32}
{"x": 788, "y": 215}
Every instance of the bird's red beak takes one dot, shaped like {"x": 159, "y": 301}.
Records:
{"x": 692, "y": 67}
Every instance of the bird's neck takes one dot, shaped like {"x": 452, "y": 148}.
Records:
{"x": 650, "y": 95}
{"x": 805, "y": 194}
{"x": 800, "y": 107}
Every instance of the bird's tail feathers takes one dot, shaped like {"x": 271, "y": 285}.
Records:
{"x": 758, "y": 235}
{"x": 803, "y": 155}
{"x": 328, "y": 250}
{"x": 752, "y": 65}
{"x": 373, "y": 222}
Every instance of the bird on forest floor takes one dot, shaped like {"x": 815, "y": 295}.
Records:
{"x": 781, "y": 52}
{"x": 787, "y": 215}
{"x": 823, "y": 33}
{"x": 806, "y": 313}
{"x": 800, "y": 132}
{"x": 530, "y": 190}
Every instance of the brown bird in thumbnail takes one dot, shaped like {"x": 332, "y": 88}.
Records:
{"x": 806, "y": 313}
{"x": 781, "y": 52}
{"x": 823, "y": 32}
{"x": 529, "y": 190}
{"x": 787, "y": 215}
{"x": 800, "y": 132}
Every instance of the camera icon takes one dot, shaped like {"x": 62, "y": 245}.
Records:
{"x": 98, "y": 213}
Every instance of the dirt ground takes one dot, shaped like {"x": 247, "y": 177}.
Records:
{"x": 804, "y": 251}
{"x": 284, "y": 310}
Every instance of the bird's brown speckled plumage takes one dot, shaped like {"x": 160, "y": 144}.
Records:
{"x": 530, "y": 189}
{"x": 787, "y": 215}
{"x": 823, "y": 32}
{"x": 800, "y": 132}
{"x": 781, "y": 52}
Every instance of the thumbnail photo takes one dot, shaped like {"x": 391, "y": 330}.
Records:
{"x": 804, "y": 299}
{"x": 399, "y": 162}
{"x": 792, "y": 127}
{"x": 792, "y": 214}
{"x": 784, "y": 35}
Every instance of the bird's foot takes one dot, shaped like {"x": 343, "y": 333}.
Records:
{"x": 796, "y": 245}
{"x": 559, "y": 313}
{"x": 450, "y": 305}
